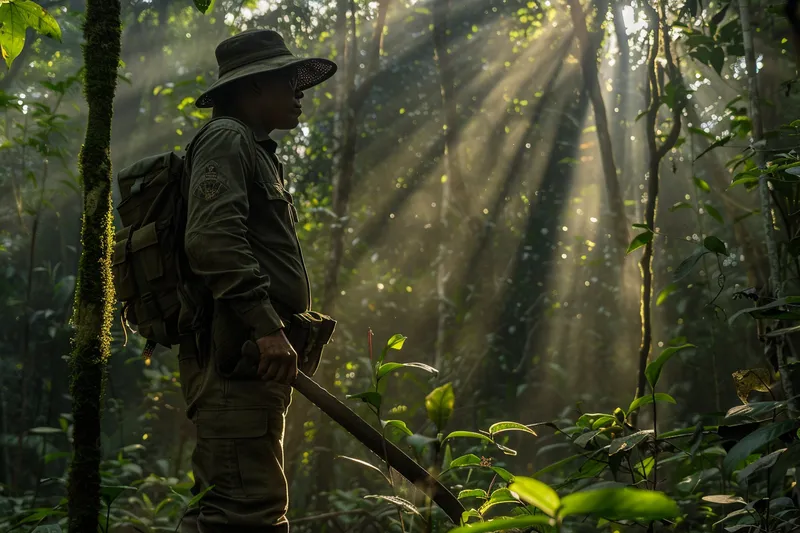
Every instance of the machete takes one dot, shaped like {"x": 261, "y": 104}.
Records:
{"x": 372, "y": 439}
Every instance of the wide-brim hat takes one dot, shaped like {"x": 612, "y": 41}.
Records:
{"x": 257, "y": 51}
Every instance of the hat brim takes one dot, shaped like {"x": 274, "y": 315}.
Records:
{"x": 310, "y": 72}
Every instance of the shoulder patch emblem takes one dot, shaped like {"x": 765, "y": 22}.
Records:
{"x": 211, "y": 185}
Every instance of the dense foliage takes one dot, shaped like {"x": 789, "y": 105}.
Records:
{"x": 582, "y": 216}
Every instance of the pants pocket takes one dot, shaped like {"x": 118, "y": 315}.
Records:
{"x": 191, "y": 377}
{"x": 242, "y": 454}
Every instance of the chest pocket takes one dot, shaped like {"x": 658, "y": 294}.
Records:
{"x": 278, "y": 198}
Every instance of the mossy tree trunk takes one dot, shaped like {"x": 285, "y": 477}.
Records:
{"x": 94, "y": 295}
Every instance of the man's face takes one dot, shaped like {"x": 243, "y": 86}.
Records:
{"x": 279, "y": 100}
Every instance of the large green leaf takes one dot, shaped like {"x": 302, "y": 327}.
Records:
{"x": 386, "y": 368}
{"x": 653, "y": 370}
{"x": 16, "y": 16}
{"x": 620, "y": 504}
{"x": 754, "y": 441}
{"x": 688, "y": 264}
{"x": 714, "y": 244}
{"x": 504, "y": 524}
{"x": 536, "y": 493}
{"x": 647, "y": 400}
{"x": 439, "y": 404}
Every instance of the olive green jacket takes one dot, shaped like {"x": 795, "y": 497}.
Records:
{"x": 240, "y": 235}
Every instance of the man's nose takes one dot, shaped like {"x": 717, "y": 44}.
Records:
{"x": 299, "y": 94}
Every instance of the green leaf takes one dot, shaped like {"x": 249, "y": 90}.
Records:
{"x": 439, "y": 404}
{"x": 199, "y": 496}
{"x": 473, "y": 493}
{"x": 504, "y": 524}
{"x": 688, "y": 264}
{"x": 620, "y": 504}
{"x": 716, "y": 144}
{"x": 718, "y": 59}
{"x": 364, "y": 463}
{"x": 536, "y": 493}
{"x": 653, "y": 370}
{"x": 467, "y": 435}
{"x": 702, "y": 184}
{"x": 679, "y": 205}
{"x": 646, "y": 400}
{"x": 754, "y": 441}
{"x": 585, "y": 438}
{"x": 203, "y": 5}
{"x": 399, "y": 424}
{"x": 713, "y": 244}
{"x": 624, "y": 444}
{"x": 16, "y": 16}
{"x": 665, "y": 292}
{"x": 500, "y": 427}
{"x": 109, "y": 493}
{"x": 712, "y": 211}
{"x": 466, "y": 460}
{"x": 386, "y": 368}
{"x": 703, "y": 133}
{"x": 394, "y": 500}
{"x": 504, "y": 474}
{"x": 763, "y": 463}
{"x": 640, "y": 240}
{"x": 394, "y": 343}
{"x": 371, "y": 397}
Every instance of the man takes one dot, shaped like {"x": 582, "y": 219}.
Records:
{"x": 244, "y": 256}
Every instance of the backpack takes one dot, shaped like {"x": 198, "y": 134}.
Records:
{"x": 149, "y": 263}
{"x": 146, "y": 264}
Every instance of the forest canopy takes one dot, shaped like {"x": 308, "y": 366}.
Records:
{"x": 560, "y": 239}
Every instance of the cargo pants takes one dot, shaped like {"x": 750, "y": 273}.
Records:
{"x": 239, "y": 450}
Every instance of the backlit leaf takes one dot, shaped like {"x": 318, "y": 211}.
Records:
{"x": 16, "y": 16}
{"x": 620, "y": 504}
{"x": 504, "y": 524}
{"x": 371, "y": 397}
{"x": 500, "y": 427}
{"x": 536, "y": 493}
{"x": 647, "y": 400}
{"x": 624, "y": 444}
{"x": 439, "y": 404}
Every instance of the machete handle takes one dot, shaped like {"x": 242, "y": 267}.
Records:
{"x": 374, "y": 440}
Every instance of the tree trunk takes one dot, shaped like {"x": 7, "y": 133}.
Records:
{"x": 656, "y": 153}
{"x": 772, "y": 344}
{"x": 94, "y": 296}
{"x": 589, "y": 47}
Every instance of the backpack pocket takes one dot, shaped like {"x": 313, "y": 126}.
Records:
{"x": 124, "y": 282}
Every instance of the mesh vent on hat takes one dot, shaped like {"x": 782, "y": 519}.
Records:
{"x": 310, "y": 72}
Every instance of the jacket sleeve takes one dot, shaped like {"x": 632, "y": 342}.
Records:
{"x": 216, "y": 228}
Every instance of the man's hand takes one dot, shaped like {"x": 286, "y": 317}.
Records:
{"x": 278, "y": 359}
